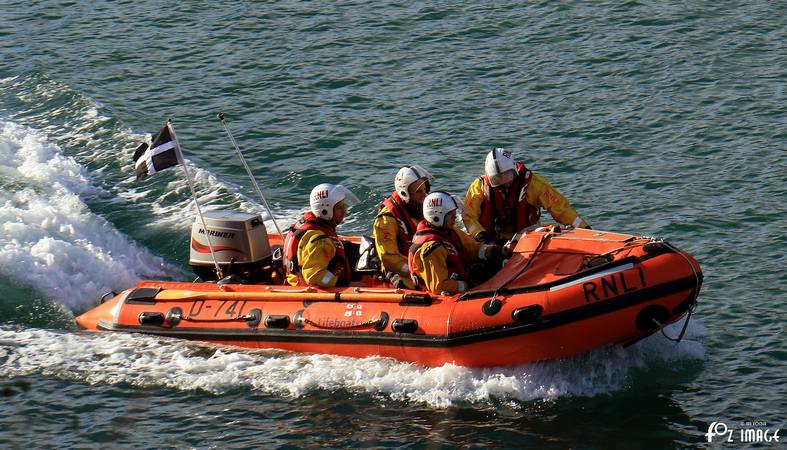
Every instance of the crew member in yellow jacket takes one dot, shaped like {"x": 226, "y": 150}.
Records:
{"x": 441, "y": 252}
{"x": 396, "y": 221}
{"x": 313, "y": 253}
{"x": 509, "y": 197}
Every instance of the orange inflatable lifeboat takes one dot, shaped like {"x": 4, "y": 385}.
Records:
{"x": 564, "y": 291}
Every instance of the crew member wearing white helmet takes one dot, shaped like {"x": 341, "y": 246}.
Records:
{"x": 509, "y": 197}
{"x": 441, "y": 252}
{"x": 313, "y": 253}
{"x": 397, "y": 220}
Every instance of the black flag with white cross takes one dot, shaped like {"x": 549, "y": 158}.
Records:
{"x": 160, "y": 152}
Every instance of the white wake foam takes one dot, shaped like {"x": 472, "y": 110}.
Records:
{"x": 50, "y": 239}
{"x": 144, "y": 361}
{"x": 76, "y": 122}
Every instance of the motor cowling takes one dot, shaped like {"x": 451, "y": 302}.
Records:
{"x": 240, "y": 245}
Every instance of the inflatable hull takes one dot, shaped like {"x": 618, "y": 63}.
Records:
{"x": 562, "y": 293}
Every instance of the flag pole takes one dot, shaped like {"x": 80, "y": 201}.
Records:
{"x": 248, "y": 171}
{"x": 194, "y": 196}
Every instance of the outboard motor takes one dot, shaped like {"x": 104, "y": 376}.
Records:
{"x": 240, "y": 244}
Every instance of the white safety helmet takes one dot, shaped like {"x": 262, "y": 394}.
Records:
{"x": 499, "y": 161}
{"x": 437, "y": 205}
{"x": 407, "y": 176}
{"x": 325, "y": 196}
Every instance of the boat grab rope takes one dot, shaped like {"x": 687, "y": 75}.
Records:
{"x": 245, "y": 318}
{"x": 682, "y": 331}
{"x": 632, "y": 243}
{"x": 529, "y": 262}
{"x": 696, "y": 293}
{"x": 626, "y": 246}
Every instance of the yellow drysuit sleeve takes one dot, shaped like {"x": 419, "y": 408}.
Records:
{"x": 541, "y": 194}
{"x": 474, "y": 198}
{"x": 385, "y": 230}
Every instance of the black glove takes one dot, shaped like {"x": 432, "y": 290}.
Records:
{"x": 484, "y": 237}
{"x": 494, "y": 253}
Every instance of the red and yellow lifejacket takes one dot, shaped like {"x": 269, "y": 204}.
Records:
{"x": 398, "y": 210}
{"x": 457, "y": 257}
{"x": 311, "y": 222}
{"x": 510, "y": 213}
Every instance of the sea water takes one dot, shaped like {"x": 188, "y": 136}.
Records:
{"x": 657, "y": 119}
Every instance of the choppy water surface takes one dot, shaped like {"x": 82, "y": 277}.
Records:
{"x": 661, "y": 119}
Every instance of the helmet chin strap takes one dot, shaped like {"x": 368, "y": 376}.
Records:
{"x": 415, "y": 211}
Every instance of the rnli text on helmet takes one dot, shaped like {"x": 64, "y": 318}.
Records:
{"x": 435, "y": 201}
